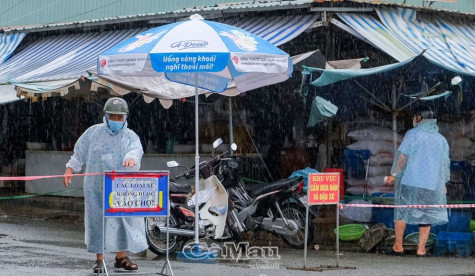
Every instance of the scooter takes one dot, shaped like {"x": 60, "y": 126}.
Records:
{"x": 213, "y": 208}
{"x": 270, "y": 207}
{"x": 263, "y": 208}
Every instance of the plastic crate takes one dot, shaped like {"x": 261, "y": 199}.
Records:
{"x": 453, "y": 243}
{"x": 459, "y": 221}
{"x": 352, "y": 163}
{"x": 457, "y": 165}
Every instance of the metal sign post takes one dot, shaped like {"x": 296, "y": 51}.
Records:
{"x": 306, "y": 238}
{"x": 136, "y": 194}
{"x": 323, "y": 189}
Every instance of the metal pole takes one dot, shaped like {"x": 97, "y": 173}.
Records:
{"x": 305, "y": 244}
{"x": 104, "y": 270}
{"x": 394, "y": 100}
{"x": 197, "y": 165}
{"x": 169, "y": 267}
{"x": 230, "y": 119}
{"x": 337, "y": 234}
{"x": 168, "y": 227}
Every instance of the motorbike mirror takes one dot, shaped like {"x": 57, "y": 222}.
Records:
{"x": 217, "y": 143}
{"x": 457, "y": 80}
{"x": 172, "y": 164}
{"x": 234, "y": 146}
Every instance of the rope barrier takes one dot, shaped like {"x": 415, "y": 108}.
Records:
{"x": 342, "y": 205}
{"x": 30, "y": 178}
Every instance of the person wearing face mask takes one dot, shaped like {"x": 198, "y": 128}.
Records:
{"x": 419, "y": 173}
{"x": 108, "y": 146}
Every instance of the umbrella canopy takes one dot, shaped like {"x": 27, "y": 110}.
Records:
{"x": 203, "y": 54}
{"x": 218, "y": 53}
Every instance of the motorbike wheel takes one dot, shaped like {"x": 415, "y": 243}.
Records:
{"x": 295, "y": 212}
{"x": 157, "y": 243}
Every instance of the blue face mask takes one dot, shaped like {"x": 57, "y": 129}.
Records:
{"x": 115, "y": 126}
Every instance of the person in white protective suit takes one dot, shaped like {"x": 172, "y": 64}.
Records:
{"x": 105, "y": 147}
{"x": 419, "y": 173}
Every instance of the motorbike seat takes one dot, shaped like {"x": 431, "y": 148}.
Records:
{"x": 178, "y": 188}
{"x": 276, "y": 185}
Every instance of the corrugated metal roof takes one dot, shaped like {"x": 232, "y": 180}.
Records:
{"x": 218, "y": 10}
{"x": 460, "y": 6}
{"x": 43, "y": 12}
{"x": 32, "y": 12}
{"x": 213, "y": 11}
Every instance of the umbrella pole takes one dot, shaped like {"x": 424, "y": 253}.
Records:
{"x": 230, "y": 118}
{"x": 197, "y": 166}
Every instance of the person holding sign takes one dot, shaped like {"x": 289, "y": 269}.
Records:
{"x": 420, "y": 170}
{"x": 106, "y": 147}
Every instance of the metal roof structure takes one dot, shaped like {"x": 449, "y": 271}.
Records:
{"x": 463, "y": 6}
{"x": 161, "y": 15}
{"x": 41, "y": 12}
{"x": 466, "y": 7}
{"x": 208, "y": 9}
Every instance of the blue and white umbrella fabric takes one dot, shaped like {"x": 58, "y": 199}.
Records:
{"x": 222, "y": 55}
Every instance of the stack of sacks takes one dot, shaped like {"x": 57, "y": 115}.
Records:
{"x": 374, "y": 121}
{"x": 460, "y": 137}
{"x": 379, "y": 141}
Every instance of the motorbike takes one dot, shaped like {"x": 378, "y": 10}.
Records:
{"x": 213, "y": 208}
{"x": 228, "y": 209}
{"x": 276, "y": 207}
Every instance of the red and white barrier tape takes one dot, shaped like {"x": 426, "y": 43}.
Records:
{"x": 29, "y": 178}
{"x": 408, "y": 206}
{"x": 341, "y": 206}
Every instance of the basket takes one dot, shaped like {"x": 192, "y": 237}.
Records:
{"x": 472, "y": 225}
{"x": 351, "y": 232}
{"x": 415, "y": 238}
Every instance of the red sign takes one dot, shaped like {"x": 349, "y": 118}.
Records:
{"x": 323, "y": 188}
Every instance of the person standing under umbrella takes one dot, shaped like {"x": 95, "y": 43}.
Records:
{"x": 106, "y": 147}
{"x": 420, "y": 171}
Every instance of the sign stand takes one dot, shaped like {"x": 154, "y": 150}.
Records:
{"x": 323, "y": 189}
{"x": 136, "y": 194}
{"x": 166, "y": 266}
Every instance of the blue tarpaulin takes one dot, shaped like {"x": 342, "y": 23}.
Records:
{"x": 303, "y": 173}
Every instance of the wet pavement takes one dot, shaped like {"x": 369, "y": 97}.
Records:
{"x": 31, "y": 246}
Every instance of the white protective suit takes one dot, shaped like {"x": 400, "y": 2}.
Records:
{"x": 102, "y": 150}
{"x": 422, "y": 166}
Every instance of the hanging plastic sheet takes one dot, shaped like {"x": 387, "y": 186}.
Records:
{"x": 321, "y": 111}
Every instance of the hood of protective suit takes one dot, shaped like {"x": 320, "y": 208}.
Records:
{"x": 429, "y": 125}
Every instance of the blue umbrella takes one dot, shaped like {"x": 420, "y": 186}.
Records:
{"x": 199, "y": 53}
